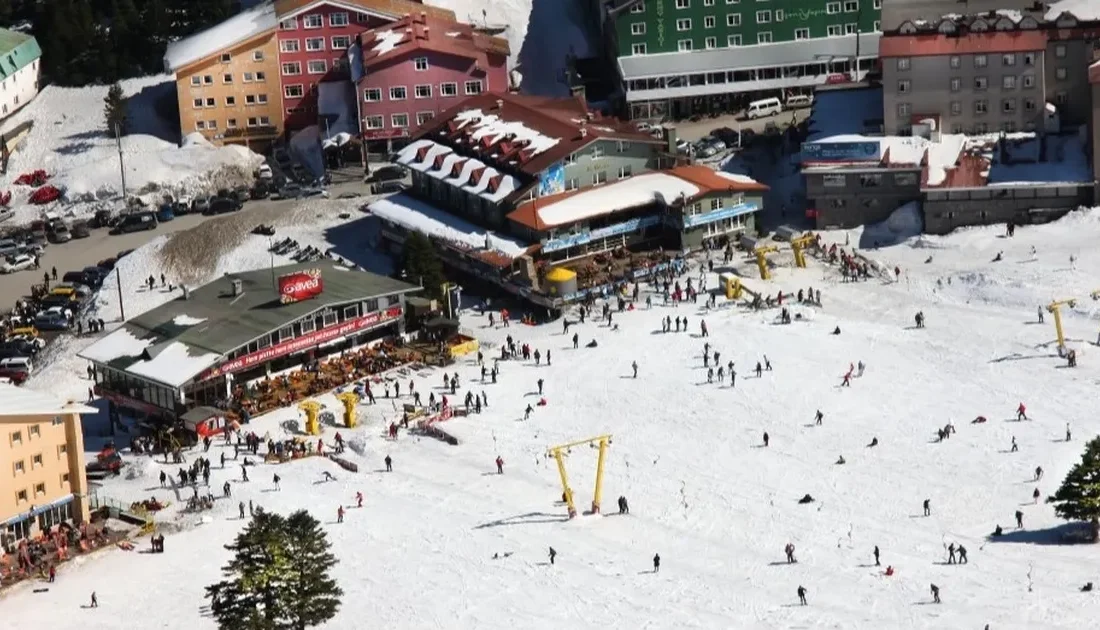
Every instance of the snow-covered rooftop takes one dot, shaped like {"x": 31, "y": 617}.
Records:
{"x": 625, "y": 193}
{"x": 245, "y": 25}
{"x": 174, "y": 365}
{"x": 19, "y": 401}
{"x": 423, "y": 217}
{"x": 1081, "y": 9}
{"x": 493, "y": 127}
{"x": 118, "y": 344}
{"x": 408, "y": 157}
{"x": 387, "y": 41}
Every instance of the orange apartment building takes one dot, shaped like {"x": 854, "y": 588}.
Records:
{"x": 42, "y": 481}
{"x": 229, "y": 78}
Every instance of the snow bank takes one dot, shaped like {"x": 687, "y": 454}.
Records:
{"x": 904, "y": 223}
{"x": 631, "y": 192}
{"x": 414, "y": 214}
{"x": 69, "y": 142}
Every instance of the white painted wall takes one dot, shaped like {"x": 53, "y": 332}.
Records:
{"x": 19, "y": 89}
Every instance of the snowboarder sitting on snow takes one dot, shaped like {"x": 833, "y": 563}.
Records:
{"x": 874, "y": 443}
{"x": 591, "y": 344}
{"x": 999, "y": 531}
{"x": 998, "y": 257}
{"x": 840, "y": 461}
{"x": 1087, "y": 588}
{"x": 836, "y": 331}
{"x": 806, "y": 499}
{"x": 624, "y": 507}
{"x": 978, "y": 420}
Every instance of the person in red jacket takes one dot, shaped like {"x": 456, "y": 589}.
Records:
{"x": 1021, "y": 412}
{"x": 500, "y": 465}
{"x": 340, "y": 514}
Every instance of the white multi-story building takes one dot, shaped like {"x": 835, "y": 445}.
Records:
{"x": 19, "y": 69}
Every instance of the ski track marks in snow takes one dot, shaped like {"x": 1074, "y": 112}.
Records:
{"x": 420, "y": 552}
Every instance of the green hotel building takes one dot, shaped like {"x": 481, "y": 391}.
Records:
{"x": 681, "y": 58}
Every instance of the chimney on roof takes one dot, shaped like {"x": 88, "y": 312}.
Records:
{"x": 426, "y": 29}
{"x": 584, "y": 131}
{"x": 500, "y": 103}
{"x": 235, "y": 287}
{"x": 408, "y": 30}
{"x": 589, "y": 116}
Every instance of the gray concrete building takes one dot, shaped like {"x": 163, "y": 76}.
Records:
{"x": 857, "y": 195}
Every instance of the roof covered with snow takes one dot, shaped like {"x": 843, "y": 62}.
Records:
{"x": 662, "y": 187}
{"x": 419, "y": 216}
{"x": 176, "y": 341}
{"x": 416, "y": 32}
{"x": 19, "y": 401}
{"x": 241, "y": 27}
{"x": 523, "y": 133}
{"x": 443, "y": 163}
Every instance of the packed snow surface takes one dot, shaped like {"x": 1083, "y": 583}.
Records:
{"x": 494, "y": 128}
{"x": 244, "y": 25}
{"x": 414, "y": 214}
{"x": 70, "y": 142}
{"x": 626, "y": 193}
{"x": 445, "y": 542}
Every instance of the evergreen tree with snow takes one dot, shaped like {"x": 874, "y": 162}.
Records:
{"x": 421, "y": 265}
{"x": 278, "y": 578}
{"x": 114, "y": 110}
{"x": 1079, "y": 497}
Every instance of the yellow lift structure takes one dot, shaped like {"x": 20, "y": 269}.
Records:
{"x": 761, "y": 254}
{"x": 1055, "y": 308}
{"x": 560, "y": 451}
{"x": 799, "y": 245}
{"x": 733, "y": 287}
{"x": 312, "y": 409}
{"x": 351, "y": 401}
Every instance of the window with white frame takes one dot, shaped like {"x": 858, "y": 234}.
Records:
{"x": 851, "y": 6}
{"x": 197, "y": 103}
{"x": 210, "y": 102}
{"x": 207, "y": 79}
{"x": 196, "y": 81}
{"x": 1008, "y": 82}
{"x": 779, "y": 15}
{"x": 571, "y": 183}
{"x": 597, "y": 152}
{"x": 956, "y": 109}
{"x": 733, "y": 19}
{"x": 834, "y": 30}
{"x": 317, "y": 66}
{"x": 230, "y": 101}
{"x": 625, "y": 171}
{"x": 261, "y": 98}
{"x": 399, "y": 93}
{"x": 261, "y": 76}
{"x": 764, "y": 37}
{"x": 200, "y": 125}
{"x": 832, "y": 8}
{"x": 710, "y": 43}
{"x": 374, "y": 122}
{"x": 1060, "y": 51}
{"x": 448, "y": 89}
{"x": 399, "y": 120}
{"x": 716, "y": 203}
{"x": 423, "y": 117}
{"x": 420, "y": 64}
{"x": 851, "y": 28}
{"x": 423, "y": 91}
{"x": 637, "y": 49}
{"x": 599, "y": 177}
{"x": 802, "y": 33}
{"x": 257, "y": 55}
{"x": 248, "y": 77}
{"x": 472, "y": 87}
{"x": 904, "y": 86}
{"x": 372, "y": 95}
{"x": 338, "y": 19}
{"x": 763, "y": 17}
{"x": 313, "y": 21}
{"x": 733, "y": 41}
{"x": 956, "y": 61}
{"x": 709, "y": 21}
{"x": 314, "y": 44}
{"x": 291, "y": 68}
{"x": 708, "y": 3}
{"x": 980, "y": 61}
{"x": 1008, "y": 59}
{"x": 904, "y": 110}
{"x": 637, "y": 28}
{"x": 683, "y": 24}
{"x": 981, "y": 106}
{"x": 227, "y": 77}
{"x": 638, "y": 8}
{"x": 289, "y": 24}
{"x": 1028, "y": 81}
{"x": 252, "y": 121}
{"x": 341, "y": 42}
{"x": 36, "y": 461}
{"x": 20, "y": 467}
{"x": 683, "y": 4}
{"x": 362, "y": 18}
{"x": 231, "y": 123}
{"x": 294, "y": 91}
{"x": 249, "y": 99}
{"x": 683, "y": 45}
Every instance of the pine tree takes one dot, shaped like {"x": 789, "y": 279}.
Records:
{"x": 278, "y": 578}
{"x": 115, "y": 110}
{"x": 313, "y": 596}
{"x": 1079, "y": 497}
{"x": 422, "y": 265}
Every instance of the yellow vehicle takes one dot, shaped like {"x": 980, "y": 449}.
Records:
{"x": 29, "y": 331}
{"x": 64, "y": 290}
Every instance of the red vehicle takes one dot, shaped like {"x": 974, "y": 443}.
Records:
{"x": 838, "y": 78}
{"x": 107, "y": 461}
{"x": 17, "y": 376}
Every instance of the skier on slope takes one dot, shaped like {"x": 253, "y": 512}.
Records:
{"x": 500, "y": 465}
{"x": 1021, "y": 412}
{"x": 789, "y": 551}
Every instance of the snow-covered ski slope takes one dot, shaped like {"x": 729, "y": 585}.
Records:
{"x": 703, "y": 492}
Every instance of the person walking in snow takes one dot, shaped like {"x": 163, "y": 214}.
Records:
{"x": 962, "y": 554}
{"x": 1019, "y": 519}
{"x": 935, "y": 594}
{"x": 634, "y": 366}
{"x": 1069, "y": 435}
{"x": 656, "y": 562}
{"x": 163, "y": 478}
{"x": 244, "y": 473}
{"x": 766, "y": 439}
{"x": 1038, "y": 473}
{"x": 576, "y": 341}
{"x": 802, "y": 595}
{"x": 876, "y": 556}
{"x": 847, "y": 382}
{"x": 500, "y": 465}
{"x": 1021, "y": 412}
{"x": 818, "y": 417}
{"x": 759, "y": 369}
{"x": 789, "y": 551}
{"x": 703, "y": 327}
{"x": 540, "y": 386}
{"x": 1040, "y": 311}
{"x": 389, "y": 464}
{"x": 240, "y": 509}
{"x": 95, "y": 600}
{"x": 340, "y": 514}
{"x": 553, "y": 555}
{"x": 951, "y": 553}
{"x": 767, "y": 364}
{"x": 928, "y": 507}
{"x": 527, "y": 412}
{"x": 624, "y": 507}
{"x": 1014, "y": 447}
{"x": 710, "y": 375}
{"x": 1035, "y": 496}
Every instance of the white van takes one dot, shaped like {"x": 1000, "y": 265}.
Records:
{"x": 17, "y": 364}
{"x": 764, "y": 107}
{"x": 800, "y": 100}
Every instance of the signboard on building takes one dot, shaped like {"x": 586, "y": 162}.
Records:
{"x": 626, "y": 227}
{"x": 385, "y": 134}
{"x": 719, "y": 214}
{"x": 552, "y": 180}
{"x": 300, "y": 285}
{"x": 841, "y": 152}
{"x": 304, "y": 342}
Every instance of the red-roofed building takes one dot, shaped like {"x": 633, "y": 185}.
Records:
{"x": 420, "y": 65}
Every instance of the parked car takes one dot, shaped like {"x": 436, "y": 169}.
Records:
{"x": 72, "y": 276}
{"x": 103, "y": 218}
{"x": 39, "y": 231}
{"x": 16, "y": 262}
{"x": 314, "y": 191}
{"x": 222, "y": 205}
{"x": 165, "y": 213}
{"x": 51, "y": 321}
{"x": 81, "y": 230}
{"x": 107, "y": 264}
{"x": 9, "y": 247}
{"x": 289, "y": 191}
{"x": 59, "y": 233}
{"x": 201, "y": 204}
{"x": 15, "y": 375}
{"x": 262, "y": 190}
{"x": 96, "y": 272}
{"x": 136, "y": 222}
{"x": 22, "y": 346}
{"x": 385, "y": 188}
{"x": 387, "y": 173}
{"x": 34, "y": 342}
{"x": 23, "y": 364}
{"x": 264, "y": 172}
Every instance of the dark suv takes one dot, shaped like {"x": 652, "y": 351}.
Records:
{"x": 136, "y": 222}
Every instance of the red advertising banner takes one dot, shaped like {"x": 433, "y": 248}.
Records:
{"x": 300, "y": 285}
{"x": 304, "y": 342}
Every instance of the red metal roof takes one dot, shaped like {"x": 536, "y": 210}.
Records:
{"x": 928, "y": 45}
{"x": 430, "y": 33}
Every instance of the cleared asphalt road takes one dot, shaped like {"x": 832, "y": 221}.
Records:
{"x": 80, "y": 253}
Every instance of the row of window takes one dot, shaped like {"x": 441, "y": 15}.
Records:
{"x": 316, "y": 20}
{"x": 231, "y": 123}
{"x": 831, "y": 8}
{"x": 227, "y": 78}
{"x": 315, "y": 44}
{"x": 15, "y": 438}
{"x": 313, "y": 66}
{"x": 981, "y": 107}
{"x": 869, "y": 180}
{"x": 1008, "y": 82}
{"x": 257, "y": 55}
{"x": 397, "y": 121}
{"x": 424, "y": 90}
{"x": 19, "y": 466}
{"x": 230, "y": 101}
{"x": 732, "y": 19}
{"x": 763, "y": 37}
